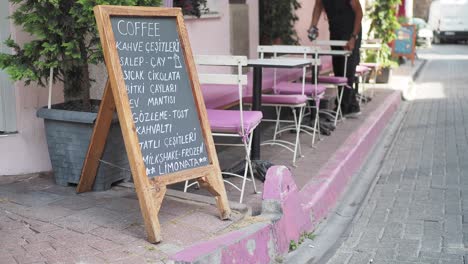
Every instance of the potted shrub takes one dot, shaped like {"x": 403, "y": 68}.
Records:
{"x": 384, "y": 23}
{"x": 192, "y": 7}
{"x": 65, "y": 38}
{"x": 277, "y": 19}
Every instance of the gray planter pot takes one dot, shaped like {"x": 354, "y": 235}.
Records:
{"x": 68, "y": 136}
{"x": 384, "y": 75}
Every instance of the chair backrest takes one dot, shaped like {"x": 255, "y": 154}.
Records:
{"x": 284, "y": 50}
{"x": 371, "y": 44}
{"x": 374, "y": 45}
{"x": 237, "y": 78}
{"x": 332, "y": 43}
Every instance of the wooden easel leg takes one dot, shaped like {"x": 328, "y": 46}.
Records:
{"x": 150, "y": 204}
{"x": 214, "y": 184}
{"x": 98, "y": 141}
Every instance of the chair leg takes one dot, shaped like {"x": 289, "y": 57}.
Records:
{"x": 338, "y": 108}
{"x": 277, "y": 124}
{"x": 186, "y": 186}
{"x": 298, "y": 122}
{"x": 248, "y": 168}
{"x": 244, "y": 180}
{"x": 317, "y": 122}
{"x": 249, "y": 147}
{"x": 361, "y": 95}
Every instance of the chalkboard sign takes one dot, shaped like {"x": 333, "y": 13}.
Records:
{"x": 159, "y": 94}
{"x": 153, "y": 86}
{"x": 405, "y": 42}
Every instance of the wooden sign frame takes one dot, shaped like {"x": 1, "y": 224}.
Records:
{"x": 411, "y": 55}
{"x": 150, "y": 191}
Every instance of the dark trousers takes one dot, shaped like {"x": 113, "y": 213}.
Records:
{"x": 349, "y": 103}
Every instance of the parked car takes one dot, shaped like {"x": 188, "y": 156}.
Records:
{"x": 425, "y": 33}
{"x": 449, "y": 20}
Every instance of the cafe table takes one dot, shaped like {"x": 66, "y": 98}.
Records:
{"x": 258, "y": 65}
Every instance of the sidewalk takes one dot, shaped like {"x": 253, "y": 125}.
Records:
{"x": 416, "y": 212}
{"x": 41, "y": 222}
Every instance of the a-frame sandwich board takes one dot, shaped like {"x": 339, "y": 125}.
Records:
{"x": 154, "y": 87}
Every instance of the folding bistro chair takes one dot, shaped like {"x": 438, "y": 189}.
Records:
{"x": 297, "y": 103}
{"x": 374, "y": 45}
{"x": 231, "y": 123}
{"x": 313, "y": 91}
{"x": 335, "y": 81}
{"x": 362, "y": 73}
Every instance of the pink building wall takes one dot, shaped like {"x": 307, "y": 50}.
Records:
{"x": 211, "y": 35}
{"x": 303, "y": 24}
{"x": 26, "y": 151}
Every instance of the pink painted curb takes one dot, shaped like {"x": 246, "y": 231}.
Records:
{"x": 288, "y": 211}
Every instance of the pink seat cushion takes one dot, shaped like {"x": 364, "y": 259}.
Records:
{"x": 219, "y": 96}
{"x": 332, "y": 79}
{"x": 268, "y": 78}
{"x": 228, "y": 121}
{"x": 371, "y": 65}
{"x": 361, "y": 70}
{"x": 296, "y": 88}
{"x": 280, "y": 99}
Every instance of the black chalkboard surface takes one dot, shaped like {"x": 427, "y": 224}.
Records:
{"x": 160, "y": 95}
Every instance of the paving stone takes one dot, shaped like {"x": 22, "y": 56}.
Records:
{"x": 393, "y": 230}
{"x": 385, "y": 253}
{"x": 103, "y": 245}
{"x": 408, "y": 248}
{"x": 74, "y": 203}
{"x": 113, "y": 235}
{"x": 76, "y": 223}
{"x": 340, "y": 258}
{"x": 428, "y": 211}
{"x": 413, "y": 230}
{"x": 361, "y": 257}
{"x": 29, "y": 258}
{"x": 6, "y": 259}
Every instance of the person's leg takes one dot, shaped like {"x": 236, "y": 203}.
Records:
{"x": 338, "y": 63}
{"x": 353, "y": 61}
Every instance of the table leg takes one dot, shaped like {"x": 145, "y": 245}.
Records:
{"x": 260, "y": 167}
{"x": 256, "y": 105}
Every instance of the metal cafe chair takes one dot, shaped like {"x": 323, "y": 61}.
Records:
{"x": 297, "y": 102}
{"x": 312, "y": 90}
{"x": 333, "y": 80}
{"x": 230, "y": 123}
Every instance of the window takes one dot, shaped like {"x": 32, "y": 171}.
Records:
{"x": 7, "y": 89}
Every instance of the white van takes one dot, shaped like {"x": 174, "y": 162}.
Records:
{"x": 449, "y": 19}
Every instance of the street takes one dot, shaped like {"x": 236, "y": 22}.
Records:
{"x": 418, "y": 210}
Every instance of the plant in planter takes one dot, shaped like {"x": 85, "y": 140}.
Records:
{"x": 384, "y": 23}
{"x": 64, "y": 38}
{"x": 192, "y": 7}
{"x": 277, "y": 18}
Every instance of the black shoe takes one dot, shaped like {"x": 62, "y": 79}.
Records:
{"x": 324, "y": 131}
{"x": 353, "y": 112}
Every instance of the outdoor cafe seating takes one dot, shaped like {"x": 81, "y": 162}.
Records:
{"x": 313, "y": 91}
{"x": 230, "y": 123}
{"x": 282, "y": 88}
